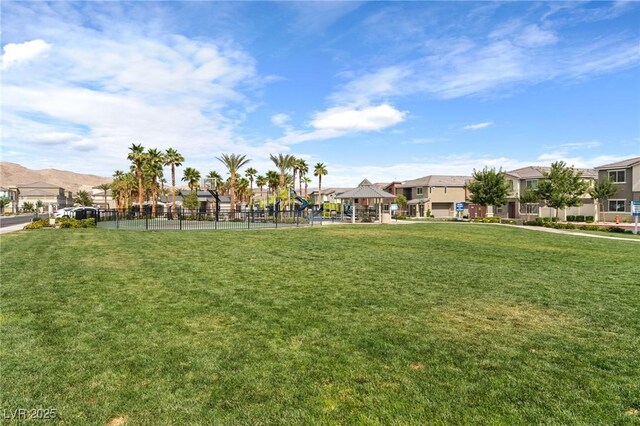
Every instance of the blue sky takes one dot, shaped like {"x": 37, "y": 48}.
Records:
{"x": 383, "y": 90}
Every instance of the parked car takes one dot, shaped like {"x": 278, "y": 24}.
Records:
{"x": 83, "y": 212}
{"x": 63, "y": 212}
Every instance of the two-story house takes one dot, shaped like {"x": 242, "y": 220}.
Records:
{"x": 435, "y": 194}
{"x": 528, "y": 178}
{"x": 625, "y": 176}
{"x": 50, "y": 195}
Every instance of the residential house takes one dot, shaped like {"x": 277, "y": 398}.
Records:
{"x": 12, "y": 194}
{"x": 98, "y": 197}
{"x": 435, "y": 194}
{"x": 625, "y": 175}
{"x": 328, "y": 195}
{"x": 50, "y": 195}
{"x": 528, "y": 178}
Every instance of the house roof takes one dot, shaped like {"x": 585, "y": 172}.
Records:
{"x": 365, "y": 190}
{"x": 621, "y": 164}
{"x": 537, "y": 172}
{"x": 436, "y": 180}
{"x": 38, "y": 184}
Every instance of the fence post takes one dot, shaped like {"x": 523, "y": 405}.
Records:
{"x": 248, "y": 220}
{"x": 275, "y": 217}
{"x": 146, "y": 221}
{"x": 180, "y": 217}
{"x": 117, "y": 221}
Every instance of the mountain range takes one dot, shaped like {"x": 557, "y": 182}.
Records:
{"x": 12, "y": 174}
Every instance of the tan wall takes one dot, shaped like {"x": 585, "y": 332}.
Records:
{"x": 451, "y": 195}
{"x": 635, "y": 180}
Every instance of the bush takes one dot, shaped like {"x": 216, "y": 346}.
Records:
{"x": 589, "y": 227}
{"x": 616, "y": 230}
{"x": 580, "y": 218}
{"x": 492, "y": 219}
{"x": 400, "y": 217}
{"x": 508, "y": 221}
{"x": 554, "y": 219}
{"x": 589, "y": 219}
{"x": 531, "y": 223}
{"x": 570, "y": 226}
{"x": 65, "y": 223}
{"x": 571, "y": 218}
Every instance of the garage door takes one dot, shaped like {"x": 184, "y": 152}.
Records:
{"x": 442, "y": 209}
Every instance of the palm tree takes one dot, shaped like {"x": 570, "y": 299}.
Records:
{"x": 307, "y": 181}
{"x": 273, "y": 180}
{"x": 233, "y": 162}
{"x": 261, "y": 181}
{"x": 320, "y": 170}
{"x": 303, "y": 169}
{"x": 192, "y": 177}
{"x": 105, "y": 187}
{"x": 173, "y": 159}
{"x": 251, "y": 173}
{"x": 154, "y": 160}
{"x": 117, "y": 188}
{"x": 242, "y": 188}
{"x": 136, "y": 156}
{"x": 282, "y": 163}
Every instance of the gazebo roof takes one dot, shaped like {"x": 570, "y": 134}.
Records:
{"x": 365, "y": 190}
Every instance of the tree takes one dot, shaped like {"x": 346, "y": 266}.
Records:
{"x": 233, "y": 162}
{"x": 562, "y": 187}
{"x": 530, "y": 200}
{"x": 273, "y": 180}
{"x": 192, "y": 177}
{"x": 251, "y": 173}
{"x": 283, "y": 163}
{"x": 136, "y": 156}
{"x": 190, "y": 201}
{"x": 27, "y": 206}
{"x": 303, "y": 169}
{"x": 307, "y": 181}
{"x": 602, "y": 191}
{"x": 4, "y": 201}
{"x": 261, "y": 181}
{"x": 488, "y": 187}
{"x": 401, "y": 200}
{"x": 319, "y": 170}
{"x": 105, "y": 187}
{"x": 153, "y": 162}
{"x": 173, "y": 159}
{"x": 83, "y": 198}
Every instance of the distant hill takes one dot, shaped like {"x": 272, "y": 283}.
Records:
{"x": 12, "y": 174}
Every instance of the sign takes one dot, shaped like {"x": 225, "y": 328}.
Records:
{"x": 393, "y": 207}
{"x": 459, "y": 207}
{"x": 635, "y": 208}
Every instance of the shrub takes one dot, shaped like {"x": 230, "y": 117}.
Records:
{"x": 400, "y": 217}
{"x": 570, "y": 226}
{"x": 589, "y": 219}
{"x": 590, "y": 228}
{"x": 34, "y": 225}
{"x": 571, "y": 218}
{"x": 508, "y": 221}
{"x": 617, "y": 230}
{"x": 580, "y": 218}
{"x": 554, "y": 219}
{"x": 532, "y": 223}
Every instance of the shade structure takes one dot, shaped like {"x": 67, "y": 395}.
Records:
{"x": 366, "y": 191}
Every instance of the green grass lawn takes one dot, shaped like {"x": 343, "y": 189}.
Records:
{"x": 412, "y": 324}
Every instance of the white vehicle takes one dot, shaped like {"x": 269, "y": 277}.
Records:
{"x": 65, "y": 212}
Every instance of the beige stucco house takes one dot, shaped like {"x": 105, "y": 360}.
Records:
{"x": 436, "y": 193}
{"x": 625, "y": 176}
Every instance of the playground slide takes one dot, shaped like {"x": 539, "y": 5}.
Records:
{"x": 303, "y": 203}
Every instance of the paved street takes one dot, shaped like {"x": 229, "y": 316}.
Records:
{"x": 11, "y": 221}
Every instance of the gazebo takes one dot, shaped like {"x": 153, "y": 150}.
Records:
{"x": 366, "y": 191}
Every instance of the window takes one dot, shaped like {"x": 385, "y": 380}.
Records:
{"x": 617, "y": 205}
{"x": 419, "y": 191}
{"x": 532, "y": 183}
{"x": 618, "y": 176}
{"x": 530, "y": 208}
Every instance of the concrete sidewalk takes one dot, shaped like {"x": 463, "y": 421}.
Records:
{"x": 12, "y": 228}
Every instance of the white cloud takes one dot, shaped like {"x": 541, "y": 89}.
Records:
{"x": 280, "y": 119}
{"x": 534, "y": 36}
{"x": 15, "y": 53}
{"x": 344, "y": 119}
{"x": 478, "y": 126}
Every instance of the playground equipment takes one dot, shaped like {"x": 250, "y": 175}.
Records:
{"x": 303, "y": 204}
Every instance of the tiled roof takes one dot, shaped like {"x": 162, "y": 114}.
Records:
{"x": 537, "y": 172}
{"x": 38, "y": 185}
{"x": 436, "y": 180}
{"x": 365, "y": 190}
{"x": 621, "y": 164}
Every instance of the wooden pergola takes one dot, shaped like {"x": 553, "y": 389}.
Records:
{"x": 366, "y": 191}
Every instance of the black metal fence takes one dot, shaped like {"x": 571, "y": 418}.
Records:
{"x": 184, "y": 219}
